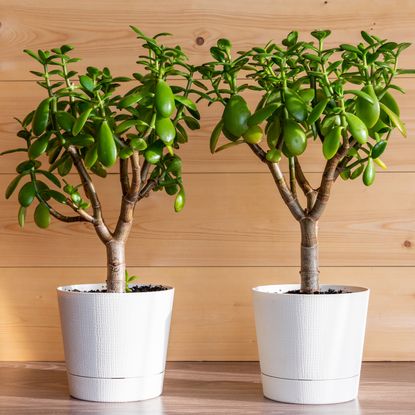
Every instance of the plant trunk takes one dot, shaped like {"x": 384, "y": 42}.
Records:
{"x": 115, "y": 266}
{"x": 309, "y": 256}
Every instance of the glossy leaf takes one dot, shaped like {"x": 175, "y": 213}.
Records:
{"x": 357, "y": 172}
{"x": 357, "y": 128}
{"x": 41, "y": 117}
{"x": 21, "y": 216}
{"x": 59, "y": 197}
{"x": 42, "y": 216}
{"x": 65, "y": 120}
{"x": 236, "y": 115}
{"x": 80, "y": 121}
{"x": 262, "y": 114}
{"x": 274, "y": 155}
{"x": 297, "y": 108}
{"x": 368, "y": 112}
{"x": 396, "y": 121}
{"x": 380, "y": 163}
{"x": 332, "y": 142}
{"x": 38, "y": 147}
{"x": 164, "y": 99}
{"x": 87, "y": 83}
{"x": 361, "y": 94}
{"x": 186, "y": 102}
{"x": 192, "y": 123}
{"x": 369, "y": 173}
{"x": 253, "y": 135}
{"x": 154, "y": 152}
{"x": 180, "y": 200}
{"x": 12, "y": 186}
{"x": 91, "y": 156}
{"x": 138, "y": 143}
{"x": 317, "y": 111}
{"x": 378, "y": 149}
{"x": 294, "y": 138}
{"x": 130, "y": 100}
{"x": 27, "y": 194}
{"x": 215, "y": 136}
{"x": 107, "y": 149}
{"x": 165, "y": 130}
{"x": 229, "y": 145}
{"x": 50, "y": 176}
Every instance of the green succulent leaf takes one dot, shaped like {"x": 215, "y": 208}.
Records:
{"x": 396, "y": 121}
{"x": 214, "y": 138}
{"x": 12, "y": 186}
{"x": 186, "y": 102}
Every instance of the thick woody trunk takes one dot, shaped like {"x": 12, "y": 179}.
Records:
{"x": 115, "y": 266}
{"x": 309, "y": 256}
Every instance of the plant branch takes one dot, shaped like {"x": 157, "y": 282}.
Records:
{"x": 343, "y": 163}
{"x": 129, "y": 201}
{"x": 52, "y": 210}
{"x": 293, "y": 187}
{"x": 136, "y": 175}
{"x": 147, "y": 188}
{"x": 309, "y": 192}
{"x": 145, "y": 169}
{"x": 80, "y": 211}
{"x": 124, "y": 178}
{"x": 329, "y": 176}
{"x": 99, "y": 224}
{"x": 289, "y": 199}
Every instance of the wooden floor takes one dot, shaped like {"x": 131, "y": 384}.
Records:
{"x": 202, "y": 388}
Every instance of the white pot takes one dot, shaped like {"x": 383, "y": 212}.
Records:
{"x": 115, "y": 344}
{"x": 310, "y": 346}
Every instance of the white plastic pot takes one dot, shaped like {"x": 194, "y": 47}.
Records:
{"x": 115, "y": 344}
{"x": 310, "y": 346}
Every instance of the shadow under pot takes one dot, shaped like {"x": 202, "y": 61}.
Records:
{"x": 310, "y": 345}
{"x": 115, "y": 343}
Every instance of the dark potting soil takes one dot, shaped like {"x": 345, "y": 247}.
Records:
{"x": 134, "y": 289}
{"x": 329, "y": 291}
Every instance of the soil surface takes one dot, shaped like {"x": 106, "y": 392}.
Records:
{"x": 329, "y": 291}
{"x": 134, "y": 289}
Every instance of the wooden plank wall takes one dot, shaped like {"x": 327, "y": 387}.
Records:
{"x": 234, "y": 233}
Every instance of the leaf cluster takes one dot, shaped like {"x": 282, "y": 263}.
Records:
{"x": 87, "y": 112}
{"x": 341, "y": 96}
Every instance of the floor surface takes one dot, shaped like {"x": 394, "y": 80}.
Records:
{"x": 202, "y": 388}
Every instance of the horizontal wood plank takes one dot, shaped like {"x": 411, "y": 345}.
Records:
{"x": 103, "y": 33}
{"x": 213, "y": 317}
{"x": 22, "y": 97}
{"x": 229, "y": 220}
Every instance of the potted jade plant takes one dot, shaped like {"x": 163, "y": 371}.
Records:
{"x": 310, "y": 346}
{"x": 115, "y": 334}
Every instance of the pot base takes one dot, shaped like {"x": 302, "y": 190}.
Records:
{"x": 115, "y": 389}
{"x": 310, "y": 391}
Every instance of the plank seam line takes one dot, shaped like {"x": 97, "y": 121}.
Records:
{"x": 242, "y": 172}
{"x": 200, "y": 266}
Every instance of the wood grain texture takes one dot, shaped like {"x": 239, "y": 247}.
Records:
{"x": 235, "y": 227}
{"x": 229, "y": 220}
{"x": 100, "y": 33}
{"x": 213, "y": 316}
{"x": 21, "y": 97}
{"x": 202, "y": 388}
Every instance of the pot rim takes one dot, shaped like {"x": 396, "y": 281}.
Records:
{"x": 281, "y": 289}
{"x": 67, "y": 289}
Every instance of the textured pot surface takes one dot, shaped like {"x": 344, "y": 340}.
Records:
{"x": 310, "y": 346}
{"x": 115, "y": 343}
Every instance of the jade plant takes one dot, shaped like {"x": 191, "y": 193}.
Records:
{"x": 85, "y": 126}
{"x": 342, "y": 97}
